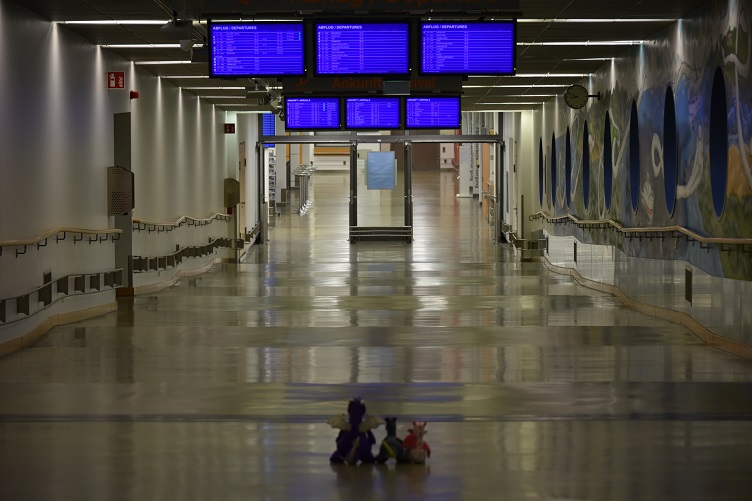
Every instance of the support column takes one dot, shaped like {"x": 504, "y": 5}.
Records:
{"x": 408, "y": 176}
{"x": 263, "y": 206}
{"x": 353, "y": 184}
{"x": 500, "y": 187}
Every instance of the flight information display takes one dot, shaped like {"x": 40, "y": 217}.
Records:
{"x": 268, "y": 126}
{"x": 256, "y": 49}
{"x": 468, "y": 48}
{"x": 312, "y": 113}
{"x": 433, "y": 112}
{"x": 362, "y": 49}
{"x": 372, "y": 113}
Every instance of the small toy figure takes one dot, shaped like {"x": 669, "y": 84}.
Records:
{"x": 417, "y": 449}
{"x": 355, "y": 439}
{"x": 391, "y": 446}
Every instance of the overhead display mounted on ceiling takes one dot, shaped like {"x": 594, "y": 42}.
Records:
{"x": 434, "y": 112}
{"x": 239, "y": 49}
{"x": 379, "y": 113}
{"x": 370, "y": 48}
{"x": 312, "y": 113}
{"x": 468, "y": 48}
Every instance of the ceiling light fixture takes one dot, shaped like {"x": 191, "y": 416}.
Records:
{"x": 145, "y": 46}
{"x": 592, "y": 20}
{"x": 161, "y": 62}
{"x": 117, "y": 21}
{"x": 586, "y": 43}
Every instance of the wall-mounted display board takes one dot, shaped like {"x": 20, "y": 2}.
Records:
{"x": 434, "y": 112}
{"x": 362, "y": 48}
{"x": 312, "y": 113}
{"x": 468, "y": 48}
{"x": 256, "y": 49}
{"x": 379, "y": 113}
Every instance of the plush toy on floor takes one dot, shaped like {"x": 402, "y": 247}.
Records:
{"x": 355, "y": 438}
{"x": 417, "y": 449}
{"x": 391, "y": 446}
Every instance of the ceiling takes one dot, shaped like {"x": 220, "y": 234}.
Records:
{"x": 543, "y": 70}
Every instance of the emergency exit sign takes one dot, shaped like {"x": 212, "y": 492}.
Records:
{"x": 116, "y": 80}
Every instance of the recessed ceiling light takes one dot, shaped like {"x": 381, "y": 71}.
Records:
{"x": 118, "y": 21}
{"x": 215, "y": 88}
{"x": 533, "y": 86}
{"x": 585, "y": 44}
{"x": 145, "y": 46}
{"x": 591, "y": 20}
{"x": 164, "y": 62}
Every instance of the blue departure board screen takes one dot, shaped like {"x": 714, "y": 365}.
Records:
{"x": 268, "y": 126}
{"x": 256, "y": 50}
{"x": 372, "y": 113}
{"x": 362, "y": 49}
{"x": 312, "y": 113}
{"x": 433, "y": 112}
{"x": 468, "y": 48}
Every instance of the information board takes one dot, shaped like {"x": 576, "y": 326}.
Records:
{"x": 312, "y": 113}
{"x": 372, "y": 113}
{"x": 362, "y": 49}
{"x": 256, "y": 50}
{"x": 432, "y": 112}
{"x": 268, "y": 127}
{"x": 468, "y": 48}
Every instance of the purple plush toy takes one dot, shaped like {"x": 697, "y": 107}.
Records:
{"x": 355, "y": 438}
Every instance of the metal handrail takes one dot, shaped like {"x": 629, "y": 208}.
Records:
{"x": 655, "y": 229}
{"x": 55, "y": 231}
{"x": 191, "y": 221}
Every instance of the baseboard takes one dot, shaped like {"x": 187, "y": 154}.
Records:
{"x": 33, "y": 335}
{"x": 152, "y": 288}
{"x": 701, "y": 331}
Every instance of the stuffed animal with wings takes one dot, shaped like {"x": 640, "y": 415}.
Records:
{"x": 417, "y": 449}
{"x": 355, "y": 438}
{"x": 391, "y": 446}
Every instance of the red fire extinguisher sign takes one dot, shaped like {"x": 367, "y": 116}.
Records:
{"x": 116, "y": 80}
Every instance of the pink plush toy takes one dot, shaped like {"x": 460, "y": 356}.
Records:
{"x": 417, "y": 448}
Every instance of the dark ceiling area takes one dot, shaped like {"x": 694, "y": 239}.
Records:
{"x": 559, "y": 42}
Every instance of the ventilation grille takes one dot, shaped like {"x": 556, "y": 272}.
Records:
{"x": 119, "y": 190}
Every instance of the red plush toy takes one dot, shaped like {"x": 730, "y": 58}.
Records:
{"x": 417, "y": 448}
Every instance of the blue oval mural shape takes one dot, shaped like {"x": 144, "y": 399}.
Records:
{"x": 585, "y": 166}
{"x": 670, "y": 144}
{"x": 553, "y": 170}
{"x": 634, "y": 157}
{"x": 540, "y": 172}
{"x": 608, "y": 170}
{"x": 568, "y": 169}
{"x": 718, "y": 142}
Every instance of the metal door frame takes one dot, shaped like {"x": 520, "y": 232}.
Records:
{"x": 352, "y": 140}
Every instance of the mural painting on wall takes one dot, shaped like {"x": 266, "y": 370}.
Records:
{"x": 684, "y": 58}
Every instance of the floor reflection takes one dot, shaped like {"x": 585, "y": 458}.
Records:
{"x": 220, "y": 387}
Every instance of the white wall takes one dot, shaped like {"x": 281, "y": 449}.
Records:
{"x": 56, "y": 142}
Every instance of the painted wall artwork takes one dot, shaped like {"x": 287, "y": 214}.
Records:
{"x": 695, "y": 183}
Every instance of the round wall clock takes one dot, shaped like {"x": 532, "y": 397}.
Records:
{"x": 576, "y": 96}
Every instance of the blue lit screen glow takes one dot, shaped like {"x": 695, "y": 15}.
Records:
{"x": 362, "y": 49}
{"x": 256, "y": 50}
{"x": 468, "y": 48}
{"x": 312, "y": 113}
{"x": 268, "y": 127}
{"x": 432, "y": 112}
{"x": 372, "y": 113}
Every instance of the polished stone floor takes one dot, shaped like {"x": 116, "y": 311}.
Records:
{"x": 219, "y": 388}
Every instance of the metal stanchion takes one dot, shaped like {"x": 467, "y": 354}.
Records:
{"x": 303, "y": 180}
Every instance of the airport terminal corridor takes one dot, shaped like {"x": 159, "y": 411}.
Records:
{"x": 533, "y": 387}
